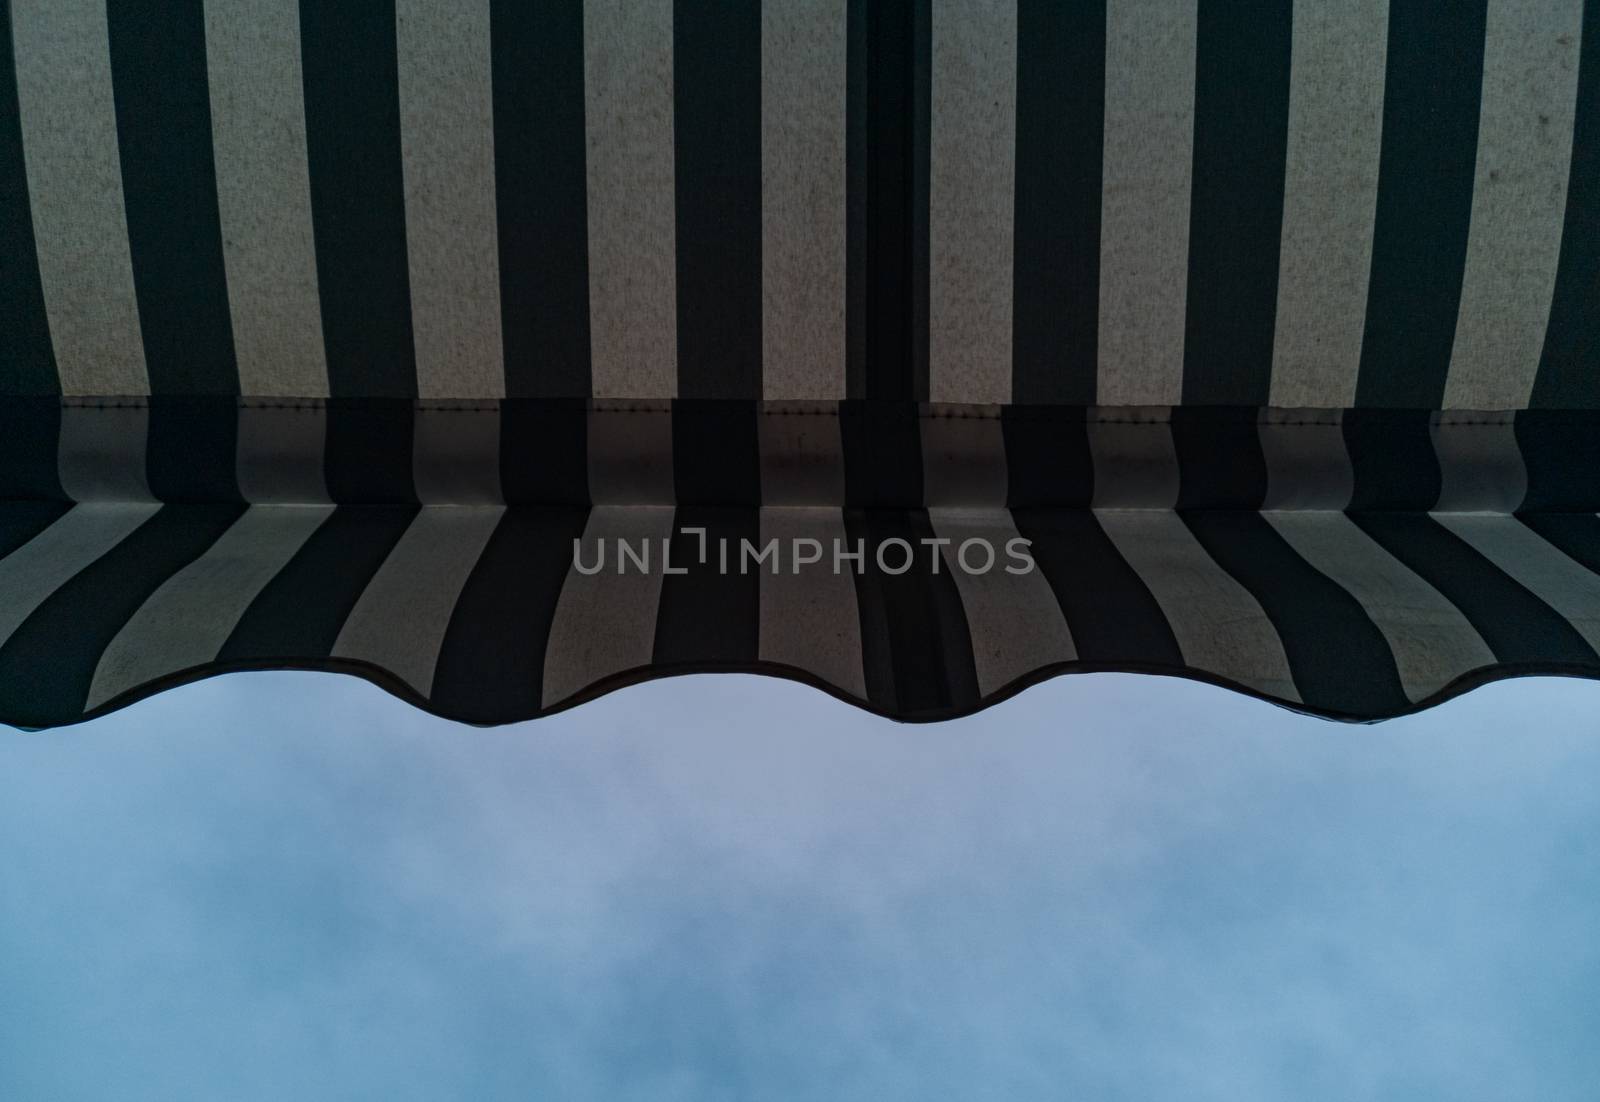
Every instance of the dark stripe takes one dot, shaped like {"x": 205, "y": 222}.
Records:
{"x": 1220, "y": 461}
{"x": 711, "y": 614}
{"x": 1569, "y": 366}
{"x": 541, "y": 196}
{"x": 192, "y": 448}
{"x": 716, "y": 88}
{"x": 544, "y": 452}
{"x": 1392, "y": 458}
{"x": 716, "y": 454}
{"x": 921, "y": 151}
{"x": 1577, "y": 535}
{"x": 358, "y": 195}
{"x": 856, "y": 130}
{"x": 1114, "y": 618}
{"x": 915, "y": 641}
{"x": 1048, "y": 461}
{"x": 20, "y": 521}
{"x": 882, "y": 444}
{"x": 30, "y": 435}
{"x": 1340, "y": 661}
{"x": 897, "y": 93}
{"x": 368, "y": 455}
{"x": 27, "y": 360}
{"x": 491, "y": 661}
{"x": 1518, "y": 627}
{"x": 1432, "y": 87}
{"x": 48, "y": 664}
{"x": 169, "y": 189}
{"x": 1561, "y": 454}
{"x": 297, "y": 616}
{"x": 1061, "y": 106}
{"x": 1241, "y": 134}
{"x": 872, "y": 612}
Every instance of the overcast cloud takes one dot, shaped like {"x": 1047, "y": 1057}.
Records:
{"x": 276, "y": 886}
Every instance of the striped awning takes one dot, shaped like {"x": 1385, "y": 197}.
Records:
{"x": 505, "y": 352}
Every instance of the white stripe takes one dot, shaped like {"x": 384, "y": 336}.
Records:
{"x": 258, "y": 132}
{"x": 1144, "y": 212}
{"x": 1330, "y": 199}
{"x": 447, "y": 148}
{"x": 1135, "y": 461}
{"x": 1220, "y": 627}
{"x": 809, "y": 617}
{"x": 1537, "y": 565}
{"x": 802, "y": 458}
{"x": 1308, "y": 465}
{"x": 627, "y": 76}
{"x": 605, "y": 623}
{"x": 630, "y": 457}
{"x": 1519, "y": 201}
{"x": 400, "y": 620}
{"x": 1481, "y": 469}
{"x": 69, "y": 139}
{"x": 803, "y": 198}
{"x": 100, "y": 453}
{"x": 1432, "y": 642}
{"x": 185, "y": 622}
{"x": 963, "y": 461}
{"x": 48, "y": 561}
{"x": 455, "y": 456}
{"x": 1015, "y": 620}
{"x": 971, "y": 189}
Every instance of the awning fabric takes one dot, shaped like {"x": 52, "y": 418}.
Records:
{"x": 348, "y": 336}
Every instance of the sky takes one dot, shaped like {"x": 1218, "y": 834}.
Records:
{"x": 290, "y": 885}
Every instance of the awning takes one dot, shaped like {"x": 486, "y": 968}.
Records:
{"x": 505, "y": 354}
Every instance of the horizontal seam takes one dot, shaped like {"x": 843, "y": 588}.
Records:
{"x": 1022, "y": 413}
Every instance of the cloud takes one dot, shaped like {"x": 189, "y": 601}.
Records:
{"x": 291, "y": 885}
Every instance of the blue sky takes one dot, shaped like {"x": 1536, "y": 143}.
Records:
{"x": 275, "y": 886}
